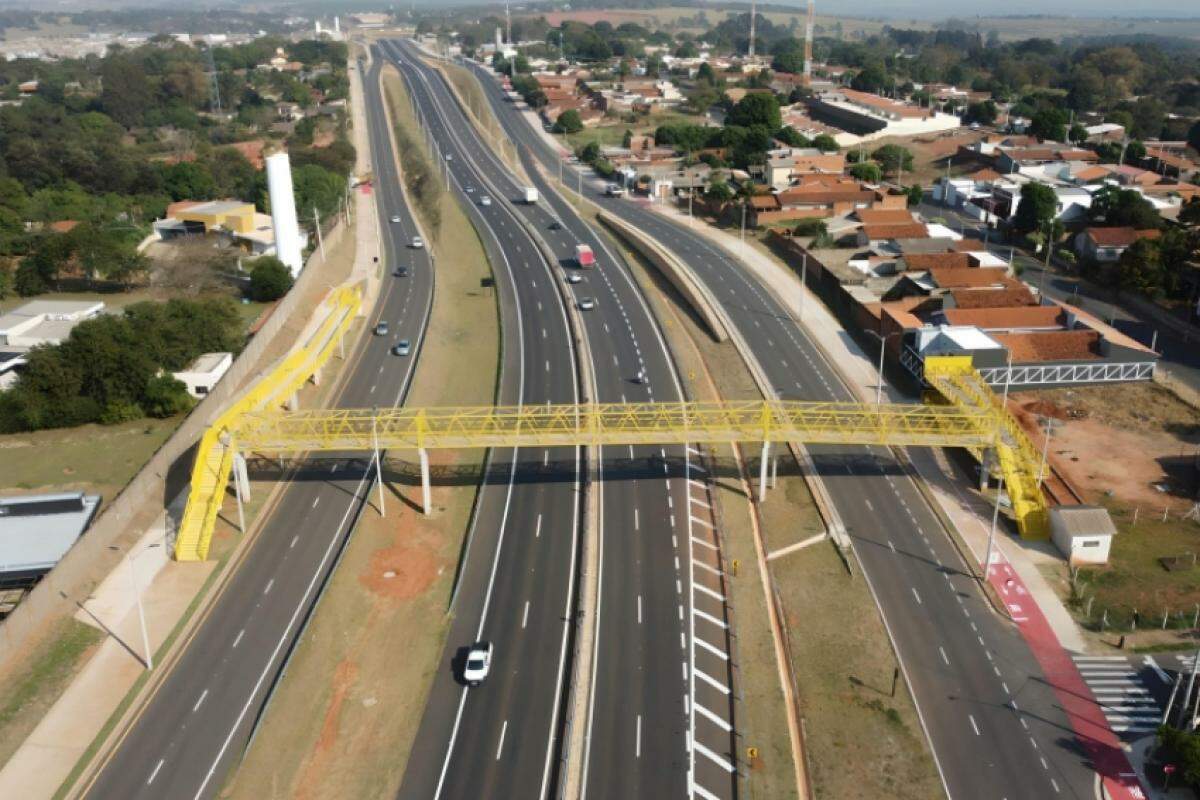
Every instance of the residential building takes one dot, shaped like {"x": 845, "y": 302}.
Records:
{"x": 42, "y": 322}
{"x": 1107, "y": 244}
{"x": 786, "y": 165}
{"x": 862, "y": 115}
{"x": 36, "y": 531}
{"x": 203, "y": 373}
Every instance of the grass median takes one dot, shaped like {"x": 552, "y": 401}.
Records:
{"x": 344, "y": 717}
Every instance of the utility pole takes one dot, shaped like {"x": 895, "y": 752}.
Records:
{"x": 317, "y": 225}
{"x": 753, "y": 14}
{"x": 987, "y": 562}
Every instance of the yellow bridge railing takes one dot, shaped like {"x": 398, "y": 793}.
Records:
{"x": 613, "y": 424}
{"x": 214, "y": 456}
{"x": 958, "y": 383}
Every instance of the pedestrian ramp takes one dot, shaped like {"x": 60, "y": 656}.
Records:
{"x": 1126, "y": 690}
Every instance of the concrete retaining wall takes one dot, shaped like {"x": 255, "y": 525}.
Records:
{"x": 679, "y": 276}
{"x": 121, "y": 520}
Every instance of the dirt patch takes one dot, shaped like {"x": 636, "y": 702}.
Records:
{"x": 1135, "y": 443}
{"x": 405, "y": 570}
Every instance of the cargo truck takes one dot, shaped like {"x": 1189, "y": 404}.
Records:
{"x": 584, "y": 256}
{"x": 530, "y": 195}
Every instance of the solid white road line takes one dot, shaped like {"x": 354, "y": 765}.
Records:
{"x": 199, "y": 701}
{"x": 719, "y": 760}
{"x": 499, "y": 747}
{"x": 705, "y": 794}
{"x": 270, "y": 583}
{"x": 525, "y": 616}
{"x": 973, "y": 725}
{"x": 716, "y": 684}
{"x": 637, "y": 750}
{"x": 154, "y": 774}
{"x": 716, "y": 651}
{"x": 942, "y": 650}
{"x": 639, "y": 609}
{"x": 709, "y": 617}
{"x": 914, "y": 591}
{"x": 241, "y": 633}
{"x": 636, "y": 520}
{"x": 537, "y": 531}
{"x": 715, "y": 595}
{"x": 701, "y": 522}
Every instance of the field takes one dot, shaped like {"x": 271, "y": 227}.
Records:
{"x": 345, "y": 715}
{"x": 847, "y": 27}
{"x": 611, "y": 132}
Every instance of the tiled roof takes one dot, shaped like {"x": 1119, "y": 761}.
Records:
{"x": 969, "y": 278}
{"x": 904, "y": 230}
{"x": 941, "y": 261}
{"x": 824, "y": 196}
{"x": 1051, "y": 346}
{"x": 1092, "y": 173}
{"x": 1012, "y": 318}
{"x": 985, "y": 174}
{"x": 883, "y": 216}
{"x": 1119, "y": 237}
{"x": 1012, "y": 295}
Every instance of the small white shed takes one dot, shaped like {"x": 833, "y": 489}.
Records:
{"x": 1082, "y": 533}
{"x": 202, "y": 374}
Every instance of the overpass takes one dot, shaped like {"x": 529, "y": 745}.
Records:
{"x": 960, "y": 411}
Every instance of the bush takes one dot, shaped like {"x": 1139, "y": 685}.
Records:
{"x": 270, "y": 279}
{"x": 120, "y": 411}
{"x": 811, "y": 227}
{"x": 866, "y": 171}
{"x": 568, "y": 121}
{"x": 165, "y": 397}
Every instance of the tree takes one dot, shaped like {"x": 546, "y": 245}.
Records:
{"x": 1049, "y": 123}
{"x": 589, "y": 153}
{"x": 1077, "y": 133}
{"x": 758, "y": 108}
{"x": 792, "y": 137}
{"x": 1140, "y": 268}
{"x": 871, "y": 78}
{"x": 568, "y": 121}
{"x": 1188, "y": 215}
{"x": 1117, "y": 207}
{"x": 788, "y": 62}
{"x": 915, "y": 194}
{"x": 825, "y": 143}
{"x": 270, "y": 279}
{"x": 165, "y": 396}
{"x": 983, "y": 113}
{"x": 1193, "y": 136}
{"x": 627, "y": 139}
{"x": 126, "y": 92}
{"x": 719, "y": 191}
{"x": 1037, "y": 205}
{"x": 705, "y": 74}
{"x": 893, "y": 159}
{"x": 317, "y": 187}
{"x": 866, "y": 171}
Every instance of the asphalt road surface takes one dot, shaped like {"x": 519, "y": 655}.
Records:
{"x": 994, "y": 723}
{"x": 199, "y": 721}
{"x": 645, "y": 689}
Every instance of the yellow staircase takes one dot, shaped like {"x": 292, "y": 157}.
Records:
{"x": 957, "y": 383}
{"x": 214, "y": 456}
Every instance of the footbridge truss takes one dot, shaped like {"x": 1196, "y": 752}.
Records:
{"x": 962, "y": 412}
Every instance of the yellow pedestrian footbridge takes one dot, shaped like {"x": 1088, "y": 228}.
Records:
{"x": 963, "y": 413}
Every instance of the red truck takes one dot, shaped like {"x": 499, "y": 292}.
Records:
{"x": 584, "y": 256}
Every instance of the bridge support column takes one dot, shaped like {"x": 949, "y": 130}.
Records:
{"x": 293, "y": 403}
{"x": 985, "y": 469}
{"x": 426, "y": 501}
{"x": 316, "y": 377}
{"x": 241, "y": 476}
{"x": 762, "y": 471}
{"x": 237, "y": 492}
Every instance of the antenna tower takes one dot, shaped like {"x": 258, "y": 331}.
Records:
{"x": 214, "y": 84}
{"x": 808, "y": 39}
{"x": 753, "y": 8}
{"x": 507, "y": 25}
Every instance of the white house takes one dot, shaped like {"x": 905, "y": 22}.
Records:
{"x": 202, "y": 374}
{"x": 1082, "y": 533}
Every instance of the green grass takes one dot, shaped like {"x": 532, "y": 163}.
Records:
{"x": 26, "y": 696}
{"x": 93, "y": 458}
{"x": 1135, "y": 578}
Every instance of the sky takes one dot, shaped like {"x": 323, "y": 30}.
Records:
{"x": 940, "y": 9}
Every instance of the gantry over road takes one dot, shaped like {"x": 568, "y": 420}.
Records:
{"x": 966, "y": 413}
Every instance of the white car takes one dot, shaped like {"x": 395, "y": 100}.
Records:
{"x": 401, "y": 348}
{"x": 449, "y": 156}
{"x": 587, "y": 303}
{"x": 418, "y": 242}
{"x": 470, "y": 190}
{"x": 395, "y": 219}
{"x": 574, "y": 277}
{"x": 485, "y": 201}
{"x": 478, "y": 664}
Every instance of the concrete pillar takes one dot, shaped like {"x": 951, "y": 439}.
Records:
{"x": 293, "y": 403}
{"x": 316, "y": 377}
{"x": 426, "y": 501}
{"x": 762, "y": 471}
{"x": 241, "y": 475}
{"x": 985, "y": 469}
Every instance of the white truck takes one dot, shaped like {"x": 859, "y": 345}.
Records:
{"x": 530, "y": 195}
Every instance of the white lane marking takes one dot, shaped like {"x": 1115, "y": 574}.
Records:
{"x": 870, "y": 506}
{"x": 709, "y": 617}
{"x": 892, "y": 545}
{"x": 716, "y": 651}
{"x": 1054, "y": 783}
{"x": 537, "y": 531}
{"x": 973, "y": 725}
{"x": 636, "y": 523}
{"x": 701, "y": 502}
{"x": 716, "y": 720}
{"x": 914, "y": 591}
{"x": 199, "y": 701}
{"x": 711, "y": 681}
{"x": 699, "y": 521}
{"x": 637, "y": 750}
{"x": 154, "y": 774}
{"x": 639, "y": 609}
{"x": 315, "y": 501}
{"x": 942, "y": 650}
{"x": 238, "y": 640}
{"x": 499, "y": 747}
{"x": 720, "y": 761}
{"x": 715, "y": 595}
{"x": 295, "y": 539}
{"x": 270, "y": 583}
{"x": 525, "y": 616}
{"x": 682, "y": 641}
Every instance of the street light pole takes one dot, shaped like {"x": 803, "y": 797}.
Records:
{"x": 987, "y": 561}
{"x": 137, "y": 596}
{"x": 803, "y": 282}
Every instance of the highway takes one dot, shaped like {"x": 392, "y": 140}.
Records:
{"x": 650, "y": 546}
{"x": 197, "y": 724}
{"x": 994, "y": 723}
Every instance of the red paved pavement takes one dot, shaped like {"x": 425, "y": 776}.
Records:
{"x": 1084, "y": 714}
